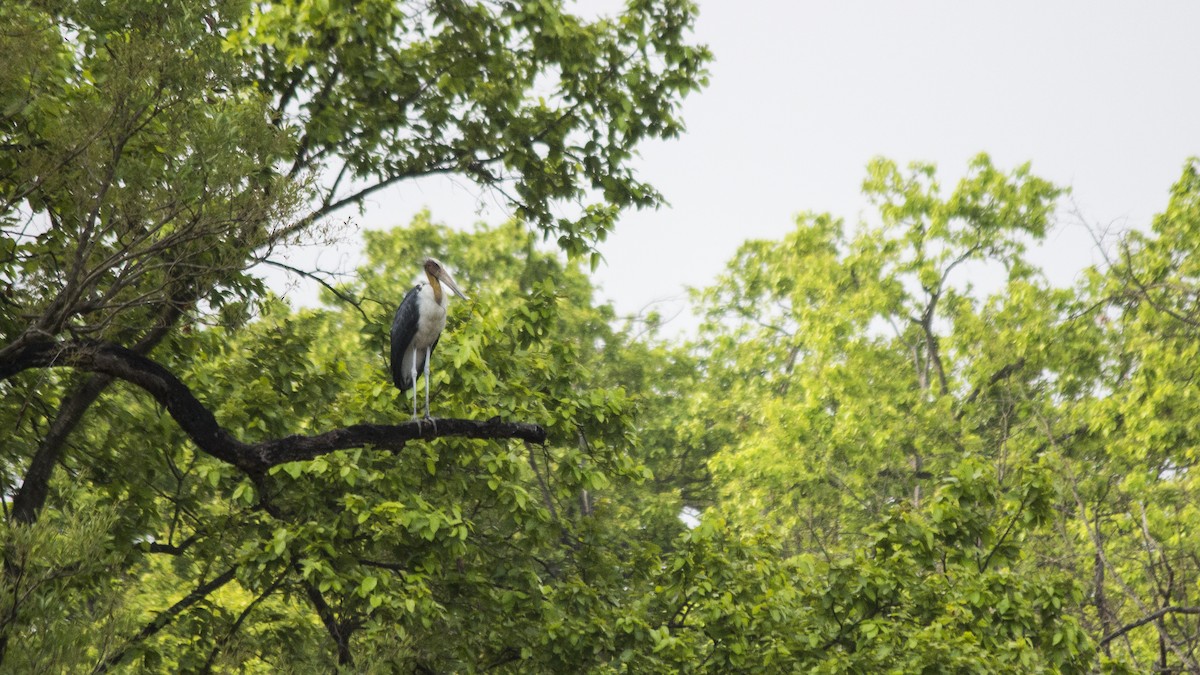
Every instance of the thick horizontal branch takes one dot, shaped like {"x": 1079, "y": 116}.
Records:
{"x": 391, "y": 436}
{"x": 210, "y": 437}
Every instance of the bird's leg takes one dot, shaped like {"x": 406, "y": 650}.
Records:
{"x": 428, "y": 355}
{"x": 414, "y": 387}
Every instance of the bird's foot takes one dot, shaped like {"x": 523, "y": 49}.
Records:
{"x": 422, "y": 421}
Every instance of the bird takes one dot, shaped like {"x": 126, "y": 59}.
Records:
{"x": 417, "y": 326}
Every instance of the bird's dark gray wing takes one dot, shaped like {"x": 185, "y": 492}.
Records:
{"x": 404, "y": 329}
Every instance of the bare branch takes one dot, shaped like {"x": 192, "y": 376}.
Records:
{"x": 213, "y": 439}
{"x": 546, "y": 497}
{"x": 1149, "y": 618}
{"x": 357, "y": 304}
{"x": 216, "y": 650}
{"x": 1145, "y": 293}
{"x": 340, "y": 631}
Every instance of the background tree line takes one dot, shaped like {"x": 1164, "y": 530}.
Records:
{"x": 895, "y": 469}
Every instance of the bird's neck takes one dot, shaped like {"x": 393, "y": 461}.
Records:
{"x": 437, "y": 287}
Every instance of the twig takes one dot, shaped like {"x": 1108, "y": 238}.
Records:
{"x": 356, "y": 304}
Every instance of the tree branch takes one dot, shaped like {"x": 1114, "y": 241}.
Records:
{"x": 211, "y": 438}
{"x": 220, "y": 644}
{"x": 1149, "y": 618}
{"x": 1144, "y": 291}
{"x": 356, "y": 304}
{"x": 1003, "y": 373}
{"x": 163, "y": 618}
{"x": 35, "y": 487}
{"x": 338, "y": 630}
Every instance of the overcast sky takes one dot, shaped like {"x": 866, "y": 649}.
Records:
{"x": 1100, "y": 96}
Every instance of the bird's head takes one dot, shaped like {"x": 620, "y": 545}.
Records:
{"x": 434, "y": 269}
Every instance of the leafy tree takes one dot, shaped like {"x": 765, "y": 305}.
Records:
{"x": 931, "y": 589}
{"x": 859, "y": 369}
{"x": 521, "y": 97}
{"x": 810, "y": 338}
{"x": 900, "y": 468}
{"x": 1131, "y": 443}
{"x": 398, "y": 554}
{"x": 153, "y": 152}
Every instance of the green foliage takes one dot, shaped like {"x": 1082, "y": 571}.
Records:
{"x": 151, "y": 153}
{"x": 862, "y": 369}
{"x": 63, "y": 602}
{"x": 934, "y": 589}
{"x": 527, "y": 98}
{"x": 412, "y": 550}
{"x": 154, "y": 151}
{"x": 909, "y": 452}
{"x": 128, "y": 183}
{"x": 469, "y": 555}
{"x": 798, "y": 342}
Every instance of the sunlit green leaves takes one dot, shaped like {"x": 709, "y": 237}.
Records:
{"x": 925, "y": 361}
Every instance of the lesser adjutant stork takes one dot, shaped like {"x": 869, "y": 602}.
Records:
{"x": 419, "y": 321}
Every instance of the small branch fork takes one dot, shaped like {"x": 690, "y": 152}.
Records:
{"x": 213, "y": 439}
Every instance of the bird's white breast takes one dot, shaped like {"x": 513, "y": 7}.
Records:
{"x": 431, "y": 318}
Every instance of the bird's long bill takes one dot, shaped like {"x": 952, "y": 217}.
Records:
{"x": 445, "y": 278}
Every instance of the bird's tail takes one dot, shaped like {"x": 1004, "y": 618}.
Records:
{"x": 402, "y": 380}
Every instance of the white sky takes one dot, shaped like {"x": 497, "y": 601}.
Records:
{"x": 1100, "y": 96}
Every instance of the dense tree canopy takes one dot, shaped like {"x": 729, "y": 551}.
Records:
{"x": 404, "y": 547}
{"x": 154, "y": 152}
{"x": 904, "y": 449}
{"x": 868, "y": 368}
